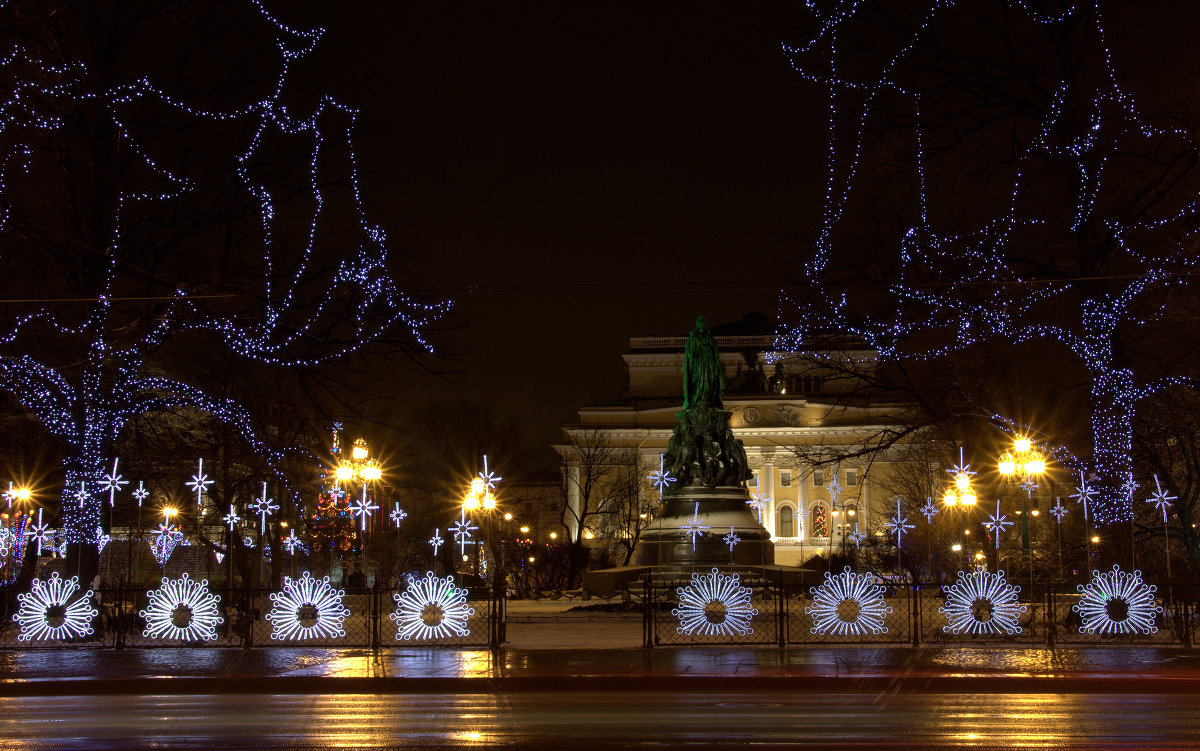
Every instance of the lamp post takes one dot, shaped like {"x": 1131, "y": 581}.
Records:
{"x": 959, "y": 495}
{"x": 479, "y": 496}
{"x": 1024, "y": 464}
{"x": 362, "y": 470}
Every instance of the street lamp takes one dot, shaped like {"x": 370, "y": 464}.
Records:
{"x": 1023, "y": 464}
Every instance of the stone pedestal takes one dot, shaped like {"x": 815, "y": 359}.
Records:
{"x": 665, "y": 543}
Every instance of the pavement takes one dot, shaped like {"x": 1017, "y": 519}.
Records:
{"x": 553, "y": 649}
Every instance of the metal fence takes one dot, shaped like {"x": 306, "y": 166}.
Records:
{"x": 733, "y": 607}
{"x": 367, "y": 618}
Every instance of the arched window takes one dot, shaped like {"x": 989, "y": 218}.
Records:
{"x": 786, "y": 525}
{"x": 820, "y": 520}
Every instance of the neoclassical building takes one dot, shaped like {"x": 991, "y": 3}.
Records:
{"x": 807, "y": 420}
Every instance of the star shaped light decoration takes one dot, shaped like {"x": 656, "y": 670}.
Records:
{"x": 141, "y": 494}
{"x": 929, "y": 510}
{"x": 264, "y": 507}
{"x": 489, "y": 479}
{"x": 113, "y": 483}
{"x": 997, "y": 523}
{"x": 231, "y": 519}
{"x": 82, "y": 495}
{"x": 398, "y": 515}
{"x": 857, "y": 536}
{"x": 731, "y": 539}
{"x": 101, "y": 539}
{"x": 1083, "y": 493}
{"x": 758, "y": 500}
{"x": 436, "y": 541}
{"x": 898, "y": 525}
{"x": 200, "y": 482}
{"x": 1058, "y": 510}
{"x": 661, "y": 478}
{"x": 462, "y": 530}
{"x": 292, "y": 543}
{"x": 40, "y": 533}
{"x": 695, "y": 526}
{"x": 1161, "y": 498}
{"x": 834, "y": 488}
{"x": 362, "y": 509}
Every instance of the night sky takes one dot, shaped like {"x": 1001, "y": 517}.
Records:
{"x": 576, "y": 174}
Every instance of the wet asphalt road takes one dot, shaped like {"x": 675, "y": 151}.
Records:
{"x": 605, "y": 719}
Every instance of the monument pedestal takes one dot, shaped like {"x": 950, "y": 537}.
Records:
{"x": 665, "y": 543}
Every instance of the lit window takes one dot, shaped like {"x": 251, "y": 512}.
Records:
{"x": 786, "y": 523}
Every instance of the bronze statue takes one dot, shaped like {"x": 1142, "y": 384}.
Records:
{"x": 702, "y": 449}
{"x": 703, "y": 373}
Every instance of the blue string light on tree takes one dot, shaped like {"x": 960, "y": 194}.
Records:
{"x": 969, "y": 265}
{"x": 315, "y": 301}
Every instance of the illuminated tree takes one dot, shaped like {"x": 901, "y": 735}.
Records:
{"x": 992, "y": 183}
{"x": 163, "y": 195}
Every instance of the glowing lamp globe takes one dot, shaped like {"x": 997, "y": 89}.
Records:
{"x": 1021, "y": 445}
{"x": 489, "y": 501}
{"x": 344, "y": 473}
{"x": 1036, "y": 466}
{"x": 950, "y": 498}
{"x": 962, "y": 481}
{"x": 23, "y": 494}
{"x": 1008, "y": 465}
{"x": 967, "y": 498}
{"x": 372, "y": 472}
{"x": 359, "y": 452}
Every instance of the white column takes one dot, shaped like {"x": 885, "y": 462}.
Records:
{"x": 573, "y": 500}
{"x": 768, "y": 479}
{"x": 802, "y": 499}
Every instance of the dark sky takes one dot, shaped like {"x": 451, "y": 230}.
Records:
{"x": 595, "y": 170}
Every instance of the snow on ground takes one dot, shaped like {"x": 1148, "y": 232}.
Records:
{"x": 550, "y": 624}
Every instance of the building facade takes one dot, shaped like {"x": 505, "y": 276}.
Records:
{"x": 808, "y": 421}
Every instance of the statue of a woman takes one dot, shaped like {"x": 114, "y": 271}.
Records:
{"x": 703, "y": 374}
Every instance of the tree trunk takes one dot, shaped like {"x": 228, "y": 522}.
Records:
{"x": 1112, "y": 452}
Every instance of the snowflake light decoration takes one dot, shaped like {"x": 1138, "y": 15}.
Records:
{"x": 362, "y": 508}
{"x": 695, "y": 526}
{"x": 113, "y": 483}
{"x": 436, "y": 541}
{"x": 661, "y": 478}
{"x": 398, "y": 515}
{"x": 848, "y": 604}
{"x": 307, "y": 608}
{"x": 1161, "y": 498}
{"x": 8, "y": 495}
{"x": 997, "y": 523}
{"x": 929, "y": 510}
{"x": 231, "y": 519}
{"x": 898, "y": 525}
{"x": 962, "y": 468}
{"x": 47, "y": 611}
{"x": 1115, "y": 602}
{"x": 982, "y": 603}
{"x": 82, "y": 495}
{"x": 182, "y": 609}
{"x": 200, "y": 482}
{"x": 141, "y": 493}
{"x": 731, "y": 539}
{"x": 1058, "y": 510}
{"x": 714, "y": 604}
{"x": 264, "y": 507}
{"x": 431, "y": 608}
{"x": 462, "y": 530}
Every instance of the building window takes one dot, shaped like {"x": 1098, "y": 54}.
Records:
{"x": 820, "y": 520}
{"x": 851, "y": 478}
{"x": 785, "y": 479}
{"x": 818, "y": 477}
{"x": 786, "y": 522}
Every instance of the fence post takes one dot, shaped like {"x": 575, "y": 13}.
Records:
{"x": 376, "y": 606}
{"x": 916, "y": 613}
{"x": 647, "y": 612}
{"x": 781, "y": 614}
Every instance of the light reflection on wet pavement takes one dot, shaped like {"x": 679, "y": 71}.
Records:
{"x": 600, "y": 719}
